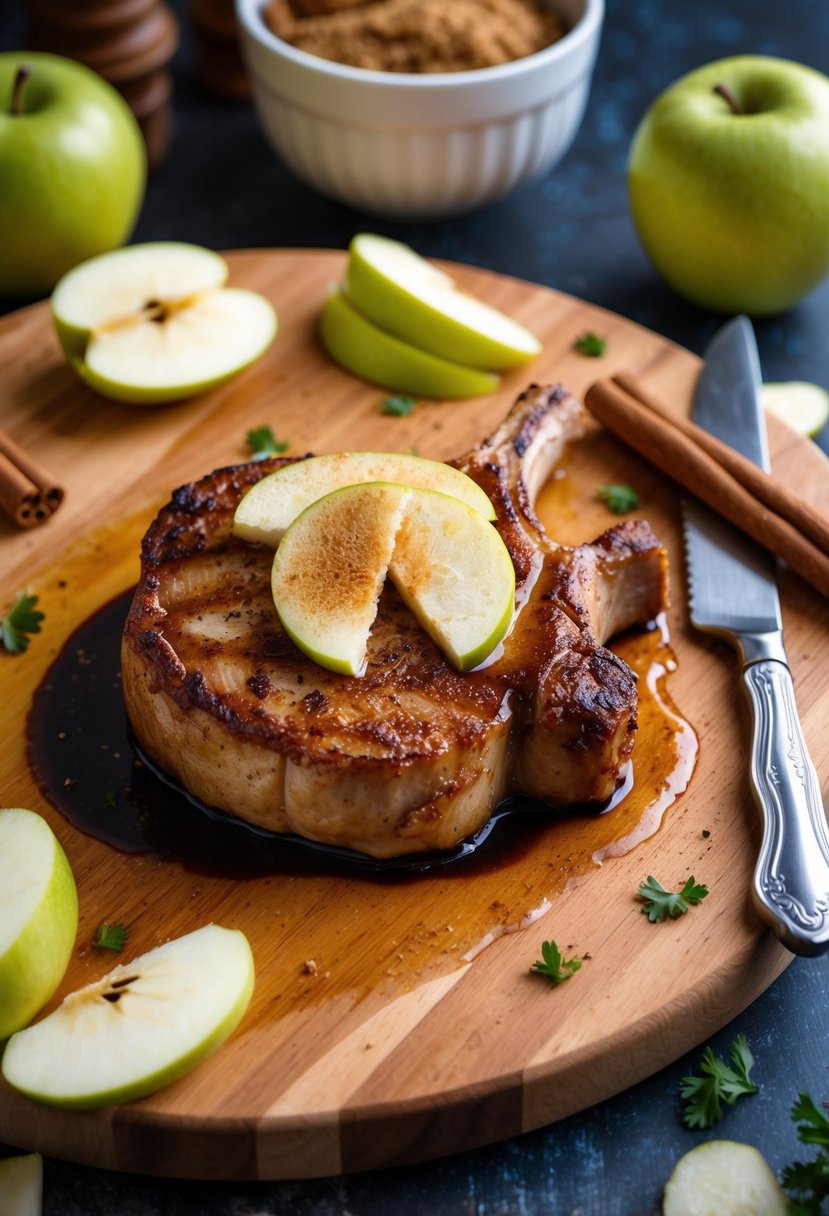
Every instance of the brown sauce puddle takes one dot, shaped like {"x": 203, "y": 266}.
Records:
{"x": 321, "y": 930}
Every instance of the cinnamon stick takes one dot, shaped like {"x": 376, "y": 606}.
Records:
{"x": 29, "y": 495}
{"x": 666, "y": 445}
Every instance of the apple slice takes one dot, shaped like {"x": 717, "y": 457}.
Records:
{"x": 274, "y": 502}
{"x": 723, "y": 1178}
{"x": 155, "y": 322}
{"x": 455, "y": 573}
{"x": 329, "y": 570}
{"x": 407, "y": 296}
{"x": 38, "y": 916}
{"x": 369, "y": 352}
{"x": 21, "y": 1185}
{"x": 801, "y": 405}
{"x": 447, "y": 561}
{"x": 143, "y": 1025}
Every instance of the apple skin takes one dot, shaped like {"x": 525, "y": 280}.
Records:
{"x": 72, "y": 171}
{"x": 733, "y": 209}
{"x": 35, "y": 962}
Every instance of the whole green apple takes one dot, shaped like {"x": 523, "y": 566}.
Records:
{"x": 72, "y": 169}
{"x": 728, "y": 179}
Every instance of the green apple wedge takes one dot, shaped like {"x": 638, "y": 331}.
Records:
{"x": 274, "y": 502}
{"x": 38, "y": 916}
{"x": 21, "y": 1185}
{"x": 406, "y": 295}
{"x": 801, "y": 405}
{"x": 367, "y": 351}
{"x": 143, "y": 1025}
{"x": 155, "y": 322}
{"x": 447, "y": 561}
{"x": 723, "y": 1178}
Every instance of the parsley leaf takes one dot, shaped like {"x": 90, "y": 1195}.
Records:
{"x": 21, "y": 620}
{"x": 591, "y": 345}
{"x": 398, "y": 407}
{"x": 619, "y": 498}
{"x": 659, "y": 902}
{"x": 263, "y": 443}
{"x": 720, "y": 1083}
{"x": 111, "y": 937}
{"x": 809, "y": 1179}
{"x": 553, "y": 965}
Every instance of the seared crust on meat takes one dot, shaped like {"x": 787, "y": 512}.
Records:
{"x": 412, "y": 756}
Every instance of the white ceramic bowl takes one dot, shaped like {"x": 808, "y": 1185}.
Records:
{"x": 421, "y": 146}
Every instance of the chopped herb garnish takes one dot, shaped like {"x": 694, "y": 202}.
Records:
{"x": 590, "y": 344}
{"x": 110, "y": 800}
{"x": 263, "y": 443}
{"x": 20, "y": 621}
{"x": 111, "y": 937}
{"x": 619, "y": 498}
{"x": 720, "y": 1083}
{"x": 398, "y": 407}
{"x": 809, "y": 1180}
{"x": 555, "y": 967}
{"x": 660, "y": 903}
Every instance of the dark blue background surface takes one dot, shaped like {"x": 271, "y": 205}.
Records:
{"x": 221, "y": 186}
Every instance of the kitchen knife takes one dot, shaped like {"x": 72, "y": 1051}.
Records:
{"x": 733, "y": 593}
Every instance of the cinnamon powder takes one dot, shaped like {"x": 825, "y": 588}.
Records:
{"x": 416, "y": 35}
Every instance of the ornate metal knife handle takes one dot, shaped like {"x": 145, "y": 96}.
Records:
{"x": 791, "y": 880}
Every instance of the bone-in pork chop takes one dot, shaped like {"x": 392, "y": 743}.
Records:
{"x": 412, "y": 756}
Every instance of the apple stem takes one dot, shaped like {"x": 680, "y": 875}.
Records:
{"x": 724, "y": 92}
{"x": 16, "y": 104}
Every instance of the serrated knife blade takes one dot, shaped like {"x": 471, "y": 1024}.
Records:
{"x": 733, "y": 593}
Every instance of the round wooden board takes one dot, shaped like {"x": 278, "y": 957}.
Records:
{"x": 395, "y": 1044}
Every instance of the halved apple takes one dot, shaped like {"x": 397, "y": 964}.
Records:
{"x": 38, "y": 916}
{"x": 447, "y": 561}
{"x": 369, "y": 352}
{"x": 274, "y": 502}
{"x": 723, "y": 1178}
{"x": 143, "y": 1025}
{"x": 406, "y": 295}
{"x": 155, "y": 322}
{"x": 329, "y": 570}
{"x": 21, "y": 1185}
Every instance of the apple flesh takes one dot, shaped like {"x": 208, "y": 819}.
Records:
{"x": 38, "y": 916}
{"x": 21, "y": 1185}
{"x": 365, "y": 350}
{"x": 273, "y": 503}
{"x": 406, "y": 295}
{"x": 728, "y": 180}
{"x": 142, "y": 1026}
{"x": 155, "y": 322}
{"x": 72, "y": 170}
{"x": 723, "y": 1178}
{"x": 447, "y": 561}
{"x": 801, "y": 405}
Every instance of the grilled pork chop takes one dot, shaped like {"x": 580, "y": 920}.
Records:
{"x": 412, "y": 756}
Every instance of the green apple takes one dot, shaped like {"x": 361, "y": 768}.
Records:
{"x": 145, "y": 1024}
{"x": 38, "y": 916}
{"x": 155, "y": 322}
{"x": 447, "y": 561}
{"x": 801, "y": 405}
{"x": 330, "y": 568}
{"x": 406, "y": 295}
{"x": 728, "y": 181}
{"x": 21, "y": 1185}
{"x": 274, "y": 502}
{"x": 72, "y": 169}
{"x": 723, "y": 1178}
{"x": 455, "y": 573}
{"x": 369, "y": 352}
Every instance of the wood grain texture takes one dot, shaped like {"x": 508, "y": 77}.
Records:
{"x": 419, "y": 1031}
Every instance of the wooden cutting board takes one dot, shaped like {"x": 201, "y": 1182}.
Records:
{"x": 395, "y": 1018}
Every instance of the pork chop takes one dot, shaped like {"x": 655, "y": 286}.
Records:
{"x": 413, "y": 756}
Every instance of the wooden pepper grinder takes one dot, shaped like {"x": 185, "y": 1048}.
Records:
{"x": 219, "y": 65}
{"x": 128, "y": 42}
